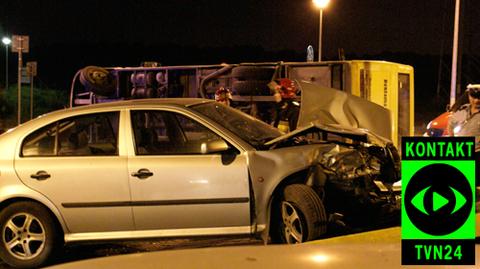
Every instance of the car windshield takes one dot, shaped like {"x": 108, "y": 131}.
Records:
{"x": 250, "y": 129}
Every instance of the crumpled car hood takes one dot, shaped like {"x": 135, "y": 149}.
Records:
{"x": 357, "y": 134}
{"x": 334, "y": 107}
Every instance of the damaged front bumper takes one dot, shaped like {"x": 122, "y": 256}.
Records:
{"x": 363, "y": 185}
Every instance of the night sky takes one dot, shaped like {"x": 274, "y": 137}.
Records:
{"x": 68, "y": 35}
{"x": 358, "y": 26}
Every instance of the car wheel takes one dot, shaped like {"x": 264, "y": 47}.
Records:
{"x": 302, "y": 216}
{"x": 97, "y": 80}
{"x": 253, "y": 73}
{"x": 29, "y": 237}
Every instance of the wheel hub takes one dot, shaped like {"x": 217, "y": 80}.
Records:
{"x": 24, "y": 236}
{"x": 292, "y": 226}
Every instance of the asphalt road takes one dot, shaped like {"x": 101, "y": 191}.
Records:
{"x": 91, "y": 250}
{"x": 99, "y": 249}
{"x": 95, "y": 250}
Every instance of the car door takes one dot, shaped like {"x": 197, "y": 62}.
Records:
{"x": 178, "y": 187}
{"x": 77, "y": 164}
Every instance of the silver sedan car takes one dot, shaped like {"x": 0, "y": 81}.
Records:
{"x": 183, "y": 167}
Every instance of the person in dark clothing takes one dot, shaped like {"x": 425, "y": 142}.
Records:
{"x": 286, "y": 106}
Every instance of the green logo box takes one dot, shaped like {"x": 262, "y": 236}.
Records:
{"x": 438, "y": 201}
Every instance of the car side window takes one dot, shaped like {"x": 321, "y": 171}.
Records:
{"x": 40, "y": 142}
{"x": 87, "y": 135}
{"x": 168, "y": 133}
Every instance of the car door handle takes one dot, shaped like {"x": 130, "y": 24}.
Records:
{"x": 142, "y": 173}
{"x": 40, "y": 175}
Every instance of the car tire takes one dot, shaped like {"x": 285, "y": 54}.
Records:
{"x": 301, "y": 215}
{"x": 251, "y": 87}
{"x": 98, "y": 80}
{"x": 253, "y": 73}
{"x": 29, "y": 235}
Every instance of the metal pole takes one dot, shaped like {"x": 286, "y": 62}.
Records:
{"x": 19, "y": 90}
{"x": 31, "y": 95}
{"x": 6, "y": 67}
{"x": 320, "y": 36}
{"x": 454, "y": 54}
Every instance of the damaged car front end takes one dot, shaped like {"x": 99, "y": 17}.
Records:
{"x": 364, "y": 169}
{"x": 360, "y": 183}
{"x": 354, "y": 173}
{"x": 338, "y": 153}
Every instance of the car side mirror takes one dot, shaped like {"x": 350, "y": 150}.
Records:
{"x": 213, "y": 146}
{"x": 447, "y": 107}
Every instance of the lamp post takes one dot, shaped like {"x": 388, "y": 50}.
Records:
{"x": 20, "y": 44}
{"x": 6, "y": 41}
{"x": 453, "y": 81}
{"x": 320, "y": 4}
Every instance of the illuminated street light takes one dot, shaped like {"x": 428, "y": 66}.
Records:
{"x": 320, "y": 4}
{"x": 6, "y": 41}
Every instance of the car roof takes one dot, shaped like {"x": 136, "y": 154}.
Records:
{"x": 185, "y": 102}
{"x": 134, "y": 103}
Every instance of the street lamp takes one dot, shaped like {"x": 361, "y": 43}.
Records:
{"x": 6, "y": 41}
{"x": 453, "y": 81}
{"x": 320, "y": 4}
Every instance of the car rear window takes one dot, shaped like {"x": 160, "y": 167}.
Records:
{"x": 86, "y": 135}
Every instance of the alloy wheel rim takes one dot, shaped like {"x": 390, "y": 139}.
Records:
{"x": 292, "y": 226}
{"x": 24, "y": 236}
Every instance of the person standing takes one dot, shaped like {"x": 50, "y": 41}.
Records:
{"x": 286, "y": 106}
{"x": 466, "y": 122}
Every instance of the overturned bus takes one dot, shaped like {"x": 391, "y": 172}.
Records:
{"x": 387, "y": 84}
